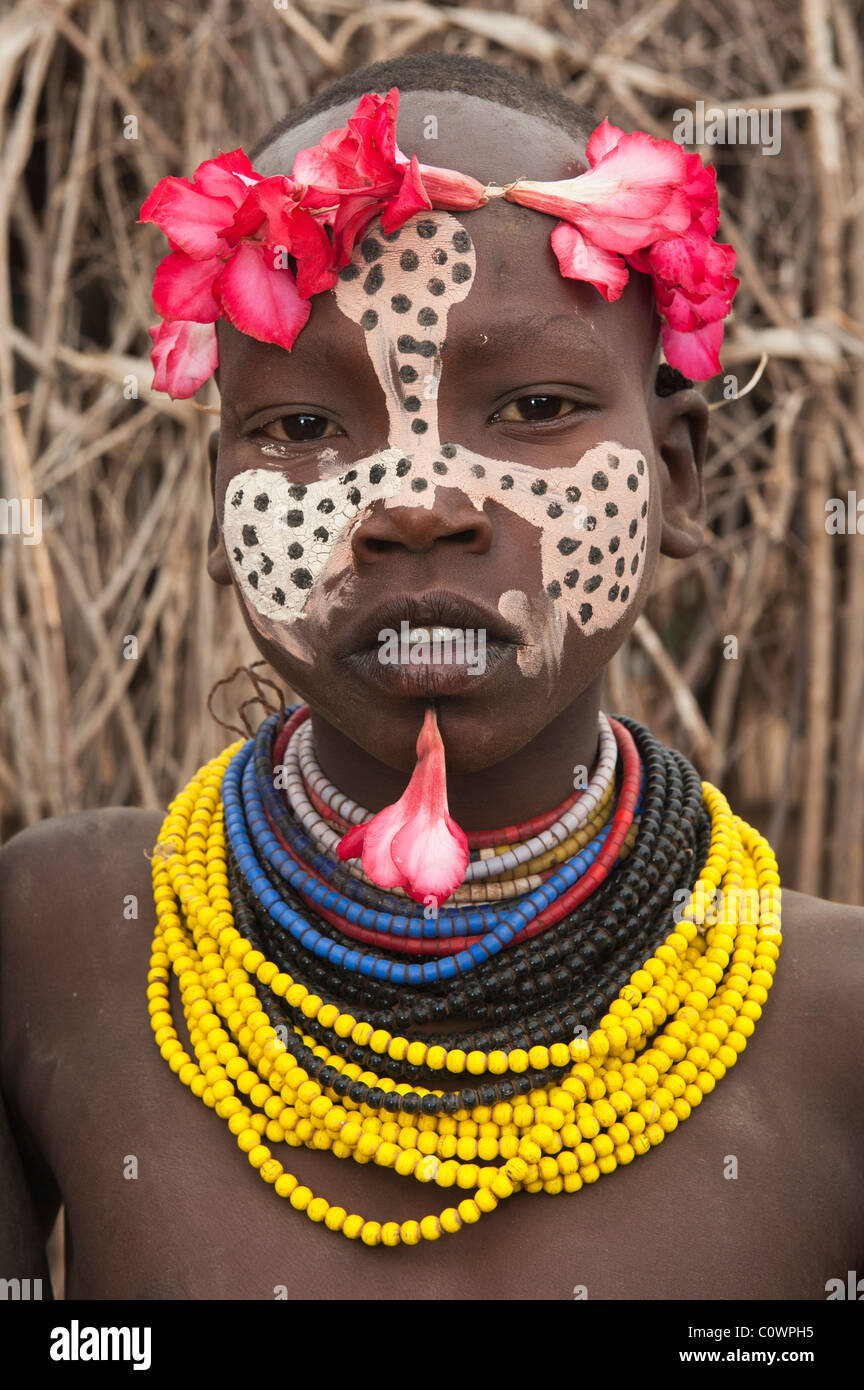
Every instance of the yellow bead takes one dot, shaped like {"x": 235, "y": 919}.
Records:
{"x": 352, "y": 1226}
{"x": 430, "y": 1228}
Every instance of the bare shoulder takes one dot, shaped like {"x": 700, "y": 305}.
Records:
{"x": 74, "y": 895}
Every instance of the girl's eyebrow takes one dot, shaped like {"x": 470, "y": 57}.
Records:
{"x": 572, "y": 333}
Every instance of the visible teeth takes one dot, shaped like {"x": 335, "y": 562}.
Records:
{"x": 436, "y": 634}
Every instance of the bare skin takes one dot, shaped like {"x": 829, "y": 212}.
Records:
{"x": 85, "y": 1087}
{"x": 84, "y": 1078}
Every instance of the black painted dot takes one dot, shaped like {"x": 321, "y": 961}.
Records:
{"x": 571, "y": 578}
{"x": 573, "y": 493}
{"x": 612, "y": 460}
{"x": 408, "y": 374}
{"x": 435, "y": 286}
{"x": 349, "y": 273}
{"x": 461, "y": 241}
{"x": 439, "y": 256}
{"x": 374, "y": 280}
{"x": 419, "y": 484}
{"x": 599, "y": 482}
{"x": 409, "y": 260}
{"x": 279, "y": 595}
{"x": 590, "y": 523}
{"x": 237, "y": 498}
{"x": 642, "y": 544}
{"x": 625, "y": 593}
{"x": 295, "y": 550}
{"x": 633, "y": 528}
{"x": 539, "y": 486}
{"x": 262, "y": 502}
{"x": 427, "y": 348}
{"x": 567, "y": 545}
{"x": 419, "y": 427}
{"x": 427, "y": 317}
{"x": 593, "y": 583}
{"x": 350, "y": 476}
{"x": 250, "y": 535}
{"x": 613, "y": 592}
{"x": 392, "y": 236}
{"x": 297, "y": 491}
{"x": 553, "y": 589}
{"x": 478, "y": 471}
{"x": 554, "y": 509}
{"x": 460, "y": 273}
{"x": 302, "y": 579}
{"x": 586, "y": 612}
{"x": 326, "y": 504}
{"x": 632, "y": 481}
{"x": 614, "y": 544}
{"x": 406, "y": 343}
{"x": 369, "y": 320}
{"x": 640, "y": 466}
{"x": 376, "y": 472}
{"x": 427, "y": 228}
{"x": 353, "y": 495}
{"x": 506, "y": 481}
{"x": 253, "y": 579}
{"x": 595, "y": 555}
{"x": 321, "y": 533}
{"x": 448, "y": 451}
{"x": 439, "y": 467}
{"x": 634, "y": 564}
{"x": 619, "y": 566}
{"x": 402, "y": 467}
{"x": 371, "y": 249}
{"x": 400, "y": 303}
{"x": 610, "y": 509}
{"x": 644, "y": 511}
{"x": 411, "y": 403}
{"x": 238, "y": 554}
{"x": 294, "y": 518}
{"x": 266, "y": 564}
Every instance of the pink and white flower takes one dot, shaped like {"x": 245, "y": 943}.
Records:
{"x": 414, "y": 844}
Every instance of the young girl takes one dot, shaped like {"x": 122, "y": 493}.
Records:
{"x": 448, "y": 921}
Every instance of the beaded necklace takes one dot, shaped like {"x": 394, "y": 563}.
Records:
{"x": 598, "y": 1015}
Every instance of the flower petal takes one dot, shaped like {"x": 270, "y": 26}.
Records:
{"x": 191, "y": 220}
{"x": 432, "y": 853}
{"x": 183, "y": 288}
{"x": 578, "y": 259}
{"x": 184, "y": 356}
{"x": 695, "y": 354}
{"x": 410, "y": 199}
{"x": 226, "y": 176}
{"x": 261, "y": 301}
{"x": 603, "y": 138}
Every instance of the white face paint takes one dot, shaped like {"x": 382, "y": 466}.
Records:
{"x": 288, "y": 542}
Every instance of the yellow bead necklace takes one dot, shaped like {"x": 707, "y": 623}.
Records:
{"x": 674, "y": 1031}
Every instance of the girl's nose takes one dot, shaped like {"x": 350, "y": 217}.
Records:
{"x": 451, "y": 518}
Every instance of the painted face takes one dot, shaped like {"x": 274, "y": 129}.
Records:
{"x": 286, "y": 540}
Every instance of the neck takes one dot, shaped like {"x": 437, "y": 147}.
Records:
{"x": 529, "y": 782}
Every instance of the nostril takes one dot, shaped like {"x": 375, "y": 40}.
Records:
{"x": 379, "y": 547}
{"x": 462, "y": 537}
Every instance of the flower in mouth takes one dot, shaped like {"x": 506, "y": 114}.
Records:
{"x": 415, "y": 844}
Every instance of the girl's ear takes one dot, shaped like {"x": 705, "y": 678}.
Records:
{"x": 217, "y": 561}
{"x": 681, "y": 421}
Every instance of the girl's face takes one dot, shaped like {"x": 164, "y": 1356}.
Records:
{"x": 460, "y": 439}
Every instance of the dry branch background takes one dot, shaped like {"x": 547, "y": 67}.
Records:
{"x": 124, "y": 484}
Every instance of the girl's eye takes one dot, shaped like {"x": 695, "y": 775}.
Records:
{"x": 535, "y": 407}
{"x": 298, "y": 428}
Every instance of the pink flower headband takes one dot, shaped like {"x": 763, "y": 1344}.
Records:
{"x": 234, "y": 235}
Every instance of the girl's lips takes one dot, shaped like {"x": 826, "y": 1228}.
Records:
{"x": 434, "y": 608}
{"x": 425, "y": 677}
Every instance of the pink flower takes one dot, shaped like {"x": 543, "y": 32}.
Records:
{"x": 414, "y": 844}
{"x": 646, "y": 203}
{"x": 184, "y": 356}
{"x": 230, "y": 231}
{"x": 361, "y": 168}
